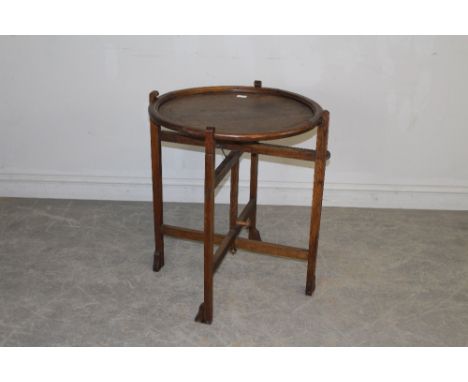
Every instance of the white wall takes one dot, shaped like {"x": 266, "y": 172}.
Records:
{"x": 73, "y": 119}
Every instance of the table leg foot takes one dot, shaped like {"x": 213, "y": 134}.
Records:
{"x": 158, "y": 262}
{"x": 254, "y": 234}
{"x": 200, "y": 317}
{"x": 310, "y": 287}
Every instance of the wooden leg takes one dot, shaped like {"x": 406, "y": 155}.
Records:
{"x": 205, "y": 312}
{"x": 319, "y": 178}
{"x": 253, "y": 231}
{"x": 233, "y": 207}
{"x": 156, "y": 166}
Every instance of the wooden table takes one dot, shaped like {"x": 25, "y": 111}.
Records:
{"x": 235, "y": 118}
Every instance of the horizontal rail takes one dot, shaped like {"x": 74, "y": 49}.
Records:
{"x": 240, "y": 243}
{"x": 258, "y": 148}
{"x": 226, "y": 243}
{"x": 231, "y": 159}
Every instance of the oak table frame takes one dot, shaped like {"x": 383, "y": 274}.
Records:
{"x": 238, "y": 144}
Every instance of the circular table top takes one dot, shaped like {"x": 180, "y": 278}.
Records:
{"x": 238, "y": 113}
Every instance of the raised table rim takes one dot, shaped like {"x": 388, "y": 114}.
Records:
{"x": 157, "y": 101}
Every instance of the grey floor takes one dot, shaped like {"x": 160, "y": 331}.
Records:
{"x": 79, "y": 273}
